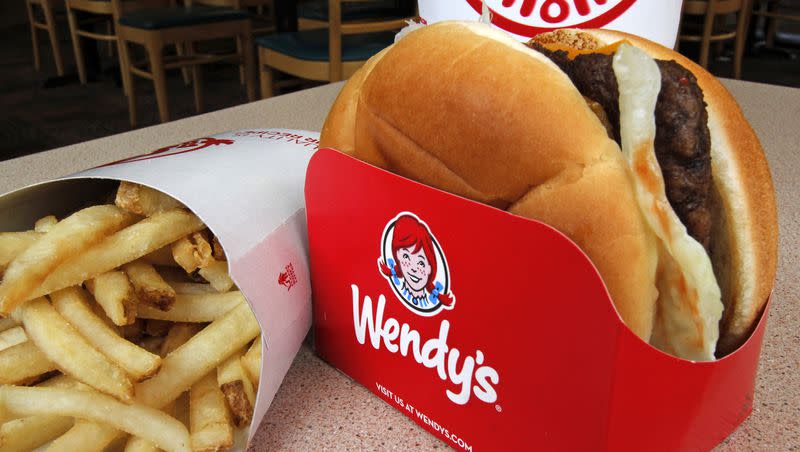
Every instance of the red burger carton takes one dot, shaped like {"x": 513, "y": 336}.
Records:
{"x": 497, "y": 333}
{"x": 247, "y": 187}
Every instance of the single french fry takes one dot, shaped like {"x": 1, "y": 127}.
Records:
{"x": 162, "y": 257}
{"x": 73, "y": 305}
{"x": 192, "y": 252}
{"x": 178, "y": 335}
{"x": 22, "y": 363}
{"x": 195, "y": 308}
{"x": 120, "y": 248}
{"x": 149, "y": 423}
{"x": 238, "y": 389}
{"x": 85, "y": 436}
{"x": 218, "y": 252}
{"x": 199, "y": 356}
{"x": 116, "y": 295}
{"x": 150, "y": 287}
{"x": 12, "y": 337}
{"x": 251, "y": 361}
{"x": 209, "y": 424}
{"x": 71, "y": 352}
{"x": 45, "y": 224}
{"x": 30, "y": 432}
{"x": 143, "y": 200}
{"x": 7, "y": 323}
{"x": 70, "y": 237}
{"x": 14, "y": 243}
{"x": 216, "y": 273}
{"x": 190, "y": 288}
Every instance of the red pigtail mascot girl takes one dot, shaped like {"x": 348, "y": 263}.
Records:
{"x": 413, "y": 265}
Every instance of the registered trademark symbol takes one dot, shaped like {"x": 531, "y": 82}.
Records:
{"x": 498, "y": 408}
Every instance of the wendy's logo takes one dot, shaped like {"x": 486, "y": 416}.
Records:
{"x": 531, "y": 17}
{"x": 414, "y": 265}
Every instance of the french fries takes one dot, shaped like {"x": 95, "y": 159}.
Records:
{"x": 162, "y": 257}
{"x": 151, "y": 424}
{"x": 143, "y": 200}
{"x": 130, "y": 346}
{"x": 73, "y": 305}
{"x": 120, "y": 248}
{"x": 115, "y": 294}
{"x": 216, "y": 273}
{"x": 45, "y": 224}
{"x": 238, "y": 389}
{"x": 150, "y": 286}
{"x": 28, "y": 433}
{"x": 196, "y": 308}
{"x": 71, "y": 236}
{"x": 23, "y": 363}
{"x": 85, "y": 436}
{"x": 251, "y": 361}
{"x": 209, "y": 424}
{"x": 192, "y": 252}
{"x": 14, "y": 243}
{"x": 12, "y": 337}
{"x": 71, "y": 352}
{"x": 202, "y": 353}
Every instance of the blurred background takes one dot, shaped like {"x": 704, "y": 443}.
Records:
{"x": 68, "y": 64}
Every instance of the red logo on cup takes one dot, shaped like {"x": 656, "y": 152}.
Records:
{"x": 287, "y": 277}
{"x": 532, "y": 17}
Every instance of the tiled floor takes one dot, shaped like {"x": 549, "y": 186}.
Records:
{"x": 39, "y": 112}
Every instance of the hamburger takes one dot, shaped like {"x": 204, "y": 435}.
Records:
{"x": 638, "y": 155}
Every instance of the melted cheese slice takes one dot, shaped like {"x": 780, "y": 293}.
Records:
{"x": 689, "y": 303}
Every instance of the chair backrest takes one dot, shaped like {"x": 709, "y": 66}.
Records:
{"x": 337, "y": 29}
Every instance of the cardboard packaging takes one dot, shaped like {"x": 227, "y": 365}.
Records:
{"x": 656, "y": 20}
{"x": 247, "y": 187}
{"x": 496, "y": 332}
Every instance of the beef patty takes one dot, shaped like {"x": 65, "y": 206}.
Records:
{"x": 682, "y": 144}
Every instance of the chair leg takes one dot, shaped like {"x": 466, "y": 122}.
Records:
{"x": 242, "y": 75}
{"x": 51, "y": 30}
{"x": 705, "y": 43}
{"x": 76, "y": 44}
{"x": 37, "y": 59}
{"x": 197, "y": 80}
{"x": 123, "y": 56}
{"x": 265, "y": 75}
{"x": 249, "y": 66}
{"x": 154, "y": 51}
{"x": 181, "y": 51}
{"x": 128, "y": 79}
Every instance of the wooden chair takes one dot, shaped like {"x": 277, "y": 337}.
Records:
{"x": 330, "y": 54}
{"x": 711, "y": 11}
{"x": 154, "y": 29}
{"x": 108, "y": 11}
{"x": 775, "y": 12}
{"x": 49, "y": 25}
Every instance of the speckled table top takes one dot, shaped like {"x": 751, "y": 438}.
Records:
{"x": 319, "y": 408}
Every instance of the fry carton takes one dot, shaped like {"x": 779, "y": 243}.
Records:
{"x": 524, "y": 19}
{"x": 247, "y": 187}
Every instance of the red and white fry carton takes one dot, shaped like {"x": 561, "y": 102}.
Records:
{"x": 493, "y": 331}
{"x": 247, "y": 187}
{"x": 656, "y": 20}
